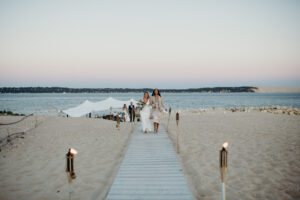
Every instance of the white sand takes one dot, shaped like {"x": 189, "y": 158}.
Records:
{"x": 34, "y": 167}
{"x": 265, "y": 89}
{"x": 264, "y": 154}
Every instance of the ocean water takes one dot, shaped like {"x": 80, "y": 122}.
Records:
{"x": 28, "y": 103}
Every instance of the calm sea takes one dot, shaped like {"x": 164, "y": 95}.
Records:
{"x": 28, "y": 103}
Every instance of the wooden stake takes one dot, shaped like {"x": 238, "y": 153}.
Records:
{"x": 42, "y": 110}
{"x": 132, "y": 127}
{"x": 25, "y": 122}
{"x": 35, "y": 119}
{"x": 177, "y": 139}
{"x": 119, "y": 142}
{"x": 168, "y": 124}
{"x": 223, "y": 191}
{"x": 119, "y": 137}
{"x": 70, "y": 185}
{"x": 8, "y": 136}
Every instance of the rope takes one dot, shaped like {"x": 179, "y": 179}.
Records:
{"x": 8, "y": 139}
{"x": 1, "y": 124}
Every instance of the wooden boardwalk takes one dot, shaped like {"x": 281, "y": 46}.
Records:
{"x": 150, "y": 170}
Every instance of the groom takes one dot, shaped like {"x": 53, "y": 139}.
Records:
{"x": 131, "y": 111}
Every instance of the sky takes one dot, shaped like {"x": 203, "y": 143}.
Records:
{"x": 164, "y": 44}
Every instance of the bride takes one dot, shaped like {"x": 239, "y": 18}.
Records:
{"x": 145, "y": 113}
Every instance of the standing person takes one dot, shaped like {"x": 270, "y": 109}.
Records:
{"x": 131, "y": 110}
{"x": 158, "y": 107}
{"x": 125, "y": 113}
{"x": 145, "y": 113}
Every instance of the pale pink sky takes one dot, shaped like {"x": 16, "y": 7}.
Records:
{"x": 177, "y": 44}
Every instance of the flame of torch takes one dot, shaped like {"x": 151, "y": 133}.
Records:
{"x": 225, "y": 145}
{"x": 73, "y": 151}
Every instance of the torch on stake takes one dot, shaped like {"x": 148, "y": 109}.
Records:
{"x": 119, "y": 139}
{"x": 35, "y": 117}
{"x": 223, "y": 168}
{"x": 177, "y": 132}
{"x": 169, "y": 119}
{"x": 70, "y": 169}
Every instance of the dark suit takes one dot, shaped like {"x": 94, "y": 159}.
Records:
{"x": 131, "y": 111}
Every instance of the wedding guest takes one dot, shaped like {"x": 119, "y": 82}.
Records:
{"x": 158, "y": 107}
{"x": 131, "y": 110}
{"x": 125, "y": 116}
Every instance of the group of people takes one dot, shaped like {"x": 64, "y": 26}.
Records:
{"x": 152, "y": 109}
{"x": 128, "y": 114}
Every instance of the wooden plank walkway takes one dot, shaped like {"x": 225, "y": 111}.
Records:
{"x": 150, "y": 170}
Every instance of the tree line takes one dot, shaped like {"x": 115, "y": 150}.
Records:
{"x": 122, "y": 90}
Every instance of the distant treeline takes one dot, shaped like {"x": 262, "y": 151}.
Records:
{"x": 121, "y": 90}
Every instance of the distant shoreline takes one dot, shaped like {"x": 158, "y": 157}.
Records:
{"x": 243, "y": 89}
{"x": 249, "y": 89}
{"x": 282, "y": 89}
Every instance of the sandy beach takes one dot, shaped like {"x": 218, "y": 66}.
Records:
{"x": 34, "y": 167}
{"x": 263, "y": 154}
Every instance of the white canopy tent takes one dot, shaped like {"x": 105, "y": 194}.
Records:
{"x": 89, "y": 107}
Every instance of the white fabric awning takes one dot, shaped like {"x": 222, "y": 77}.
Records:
{"x": 88, "y": 107}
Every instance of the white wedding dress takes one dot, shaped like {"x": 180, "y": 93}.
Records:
{"x": 145, "y": 117}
